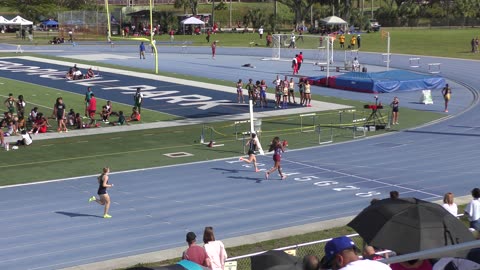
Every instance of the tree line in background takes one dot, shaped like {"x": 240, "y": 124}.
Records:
{"x": 39, "y": 10}
{"x": 392, "y": 13}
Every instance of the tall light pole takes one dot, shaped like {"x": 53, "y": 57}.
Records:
{"x": 213, "y": 10}
{"x": 371, "y": 10}
{"x": 275, "y": 15}
{"x": 230, "y": 14}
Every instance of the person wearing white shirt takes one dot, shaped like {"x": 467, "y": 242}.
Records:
{"x": 215, "y": 249}
{"x": 26, "y": 140}
{"x": 449, "y": 205}
{"x": 472, "y": 210}
{"x": 260, "y": 32}
{"x": 341, "y": 254}
{"x": 292, "y": 41}
{"x": 355, "y": 65}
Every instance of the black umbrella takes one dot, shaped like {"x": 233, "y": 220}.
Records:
{"x": 409, "y": 225}
{"x": 275, "y": 260}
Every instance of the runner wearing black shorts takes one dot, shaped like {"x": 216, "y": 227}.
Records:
{"x": 252, "y": 146}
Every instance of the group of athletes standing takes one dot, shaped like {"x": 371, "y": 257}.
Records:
{"x": 284, "y": 92}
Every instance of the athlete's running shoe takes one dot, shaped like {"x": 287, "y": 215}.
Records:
{"x": 267, "y": 175}
{"x": 92, "y": 199}
{"x": 257, "y": 170}
{"x": 284, "y": 177}
{"x": 107, "y": 216}
{"x": 241, "y": 159}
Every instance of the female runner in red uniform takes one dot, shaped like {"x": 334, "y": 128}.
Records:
{"x": 278, "y": 148}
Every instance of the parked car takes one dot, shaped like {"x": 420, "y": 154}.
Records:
{"x": 374, "y": 25}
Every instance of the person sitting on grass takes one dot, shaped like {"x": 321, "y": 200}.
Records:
{"x": 2, "y": 139}
{"x": 110, "y": 109}
{"x": 25, "y": 141}
{"x": 40, "y": 124}
{"x": 78, "y": 121}
{"x": 69, "y": 75}
{"x": 77, "y": 73}
{"x": 105, "y": 114}
{"x": 90, "y": 74}
{"x": 33, "y": 115}
{"x": 135, "y": 116}
{"x": 121, "y": 120}
{"x": 71, "y": 118}
{"x": 21, "y": 124}
{"x": 11, "y": 128}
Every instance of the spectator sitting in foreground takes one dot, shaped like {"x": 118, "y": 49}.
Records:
{"x": 195, "y": 253}
{"x": 341, "y": 253}
{"x": 449, "y": 205}
{"x": 369, "y": 254}
{"x": 413, "y": 264}
{"x": 472, "y": 210}
{"x": 394, "y": 194}
{"x": 310, "y": 262}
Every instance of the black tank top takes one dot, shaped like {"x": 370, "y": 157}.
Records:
{"x": 101, "y": 188}
{"x": 252, "y": 145}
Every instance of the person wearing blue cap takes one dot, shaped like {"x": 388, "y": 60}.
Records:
{"x": 341, "y": 254}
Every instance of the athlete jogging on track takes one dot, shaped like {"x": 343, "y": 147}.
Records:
{"x": 252, "y": 146}
{"x": 104, "y": 198}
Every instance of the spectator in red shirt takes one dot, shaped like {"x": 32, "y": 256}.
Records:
{"x": 299, "y": 60}
{"x": 92, "y": 108}
{"x": 195, "y": 253}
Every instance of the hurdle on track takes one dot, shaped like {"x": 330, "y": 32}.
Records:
{"x": 237, "y": 125}
{"x": 207, "y": 135}
{"x": 356, "y": 123}
{"x": 434, "y": 68}
{"x": 329, "y": 137}
{"x": 414, "y": 62}
{"x": 19, "y": 49}
{"x": 308, "y": 127}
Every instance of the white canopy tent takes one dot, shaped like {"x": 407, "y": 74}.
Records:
{"x": 3, "y": 21}
{"x": 334, "y": 20}
{"x": 19, "y": 21}
{"x": 191, "y": 21}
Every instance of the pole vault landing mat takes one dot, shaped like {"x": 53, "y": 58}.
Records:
{"x": 381, "y": 82}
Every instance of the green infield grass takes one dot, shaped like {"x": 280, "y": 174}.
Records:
{"x": 78, "y": 156}
{"x": 44, "y": 98}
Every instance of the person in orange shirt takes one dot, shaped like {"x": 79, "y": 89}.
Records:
{"x": 341, "y": 39}
{"x": 353, "y": 42}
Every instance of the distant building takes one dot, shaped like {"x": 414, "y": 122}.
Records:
{"x": 134, "y": 2}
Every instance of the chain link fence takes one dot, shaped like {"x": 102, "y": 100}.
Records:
{"x": 300, "y": 250}
{"x": 82, "y": 23}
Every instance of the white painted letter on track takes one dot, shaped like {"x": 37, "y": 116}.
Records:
{"x": 132, "y": 88}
